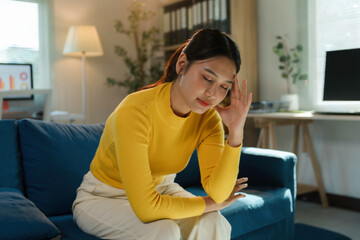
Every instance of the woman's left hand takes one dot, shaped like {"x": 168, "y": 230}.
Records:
{"x": 234, "y": 115}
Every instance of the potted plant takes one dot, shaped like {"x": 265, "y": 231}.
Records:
{"x": 289, "y": 59}
{"x": 146, "y": 43}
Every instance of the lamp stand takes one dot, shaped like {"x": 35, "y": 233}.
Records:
{"x": 83, "y": 86}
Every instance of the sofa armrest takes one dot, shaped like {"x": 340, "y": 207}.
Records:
{"x": 268, "y": 168}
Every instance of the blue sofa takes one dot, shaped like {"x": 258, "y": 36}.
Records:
{"x": 42, "y": 164}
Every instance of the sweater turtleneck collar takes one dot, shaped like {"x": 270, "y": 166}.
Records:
{"x": 164, "y": 107}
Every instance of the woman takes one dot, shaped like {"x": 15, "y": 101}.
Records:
{"x": 129, "y": 192}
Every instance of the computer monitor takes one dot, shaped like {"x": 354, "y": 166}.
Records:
{"x": 14, "y": 76}
{"x": 341, "y": 89}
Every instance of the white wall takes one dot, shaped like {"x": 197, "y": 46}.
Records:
{"x": 336, "y": 142}
{"x": 101, "y": 100}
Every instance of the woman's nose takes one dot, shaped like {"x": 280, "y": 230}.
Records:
{"x": 210, "y": 91}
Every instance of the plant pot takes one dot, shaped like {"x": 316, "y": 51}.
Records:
{"x": 292, "y": 100}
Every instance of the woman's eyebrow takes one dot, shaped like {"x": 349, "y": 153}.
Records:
{"x": 213, "y": 73}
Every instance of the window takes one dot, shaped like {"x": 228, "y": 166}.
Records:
{"x": 25, "y": 37}
{"x": 333, "y": 25}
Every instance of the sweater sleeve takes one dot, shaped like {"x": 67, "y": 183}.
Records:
{"x": 131, "y": 129}
{"x": 219, "y": 162}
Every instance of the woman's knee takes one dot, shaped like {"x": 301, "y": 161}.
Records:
{"x": 157, "y": 230}
{"x": 215, "y": 220}
{"x": 165, "y": 230}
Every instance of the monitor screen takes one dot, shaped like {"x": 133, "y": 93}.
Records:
{"x": 342, "y": 75}
{"x": 15, "y": 76}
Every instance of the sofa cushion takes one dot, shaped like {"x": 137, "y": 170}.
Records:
{"x": 10, "y": 170}
{"x": 69, "y": 230}
{"x": 21, "y": 219}
{"x": 260, "y": 208}
{"x": 56, "y": 156}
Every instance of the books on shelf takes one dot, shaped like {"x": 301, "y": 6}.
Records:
{"x": 183, "y": 18}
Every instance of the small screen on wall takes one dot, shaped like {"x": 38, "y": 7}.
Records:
{"x": 16, "y": 77}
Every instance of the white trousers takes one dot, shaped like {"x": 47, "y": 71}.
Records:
{"x": 104, "y": 211}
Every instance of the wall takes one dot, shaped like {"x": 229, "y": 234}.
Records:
{"x": 101, "y": 100}
{"x": 336, "y": 142}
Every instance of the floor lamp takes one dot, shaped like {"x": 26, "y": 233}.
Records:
{"x": 83, "y": 41}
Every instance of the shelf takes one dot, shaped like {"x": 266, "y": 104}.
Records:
{"x": 172, "y": 2}
{"x": 66, "y": 117}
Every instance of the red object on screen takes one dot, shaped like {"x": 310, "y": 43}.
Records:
{"x": 5, "y": 105}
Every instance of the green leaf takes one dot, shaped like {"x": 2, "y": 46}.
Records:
{"x": 299, "y": 47}
{"x": 119, "y": 26}
{"x": 278, "y": 37}
{"x": 303, "y": 77}
{"x": 281, "y": 67}
{"x": 280, "y": 45}
{"x": 282, "y": 59}
{"x": 120, "y": 51}
{"x": 284, "y": 75}
{"x": 110, "y": 82}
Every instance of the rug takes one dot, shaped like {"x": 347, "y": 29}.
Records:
{"x": 307, "y": 232}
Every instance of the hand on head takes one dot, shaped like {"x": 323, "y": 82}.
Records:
{"x": 234, "y": 115}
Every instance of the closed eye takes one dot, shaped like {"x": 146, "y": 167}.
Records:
{"x": 206, "y": 79}
{"x": 210, "y": 81}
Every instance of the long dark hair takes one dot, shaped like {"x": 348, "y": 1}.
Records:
{"x": 204, "y": 44}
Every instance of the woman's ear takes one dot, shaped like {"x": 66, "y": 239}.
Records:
{"x": 181, "y": 64}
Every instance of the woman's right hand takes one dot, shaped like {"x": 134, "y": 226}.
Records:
{"x": 211, "y": 205}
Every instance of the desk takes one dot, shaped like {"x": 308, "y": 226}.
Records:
{"x": 267, "y": 123}
{"x": 66, "y": 117}
{"x": 46, "y": 92}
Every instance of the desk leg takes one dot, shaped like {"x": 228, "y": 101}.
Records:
{"x": 272, "y": 135}
{"x": 315, "y": 164}
{"x": 260, "y": 142}
{"x": 47, "y": 107}
{"x": 296, "y": 139}
{"x": 266, "y": 138}
{"x": 296, "y": 146}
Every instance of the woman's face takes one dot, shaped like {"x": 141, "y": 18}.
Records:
{"x": 201, "y": 86}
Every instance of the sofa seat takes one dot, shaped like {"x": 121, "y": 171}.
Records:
{"x": 262, "y": 207}
{"x": 69, "y": 230}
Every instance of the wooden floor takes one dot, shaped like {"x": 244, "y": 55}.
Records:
{"x": 335, "y": 219}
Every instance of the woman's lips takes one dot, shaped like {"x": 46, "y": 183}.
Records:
{"x": 203, "y": 103}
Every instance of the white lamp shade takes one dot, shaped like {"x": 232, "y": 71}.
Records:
{"x": 83, "y": 39}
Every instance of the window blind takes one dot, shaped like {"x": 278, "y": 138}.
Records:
{"x": 24, "y": 30}
{"x": 333, "y": 25}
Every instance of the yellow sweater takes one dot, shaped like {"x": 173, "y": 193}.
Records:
{"x": 143, "y": 141}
